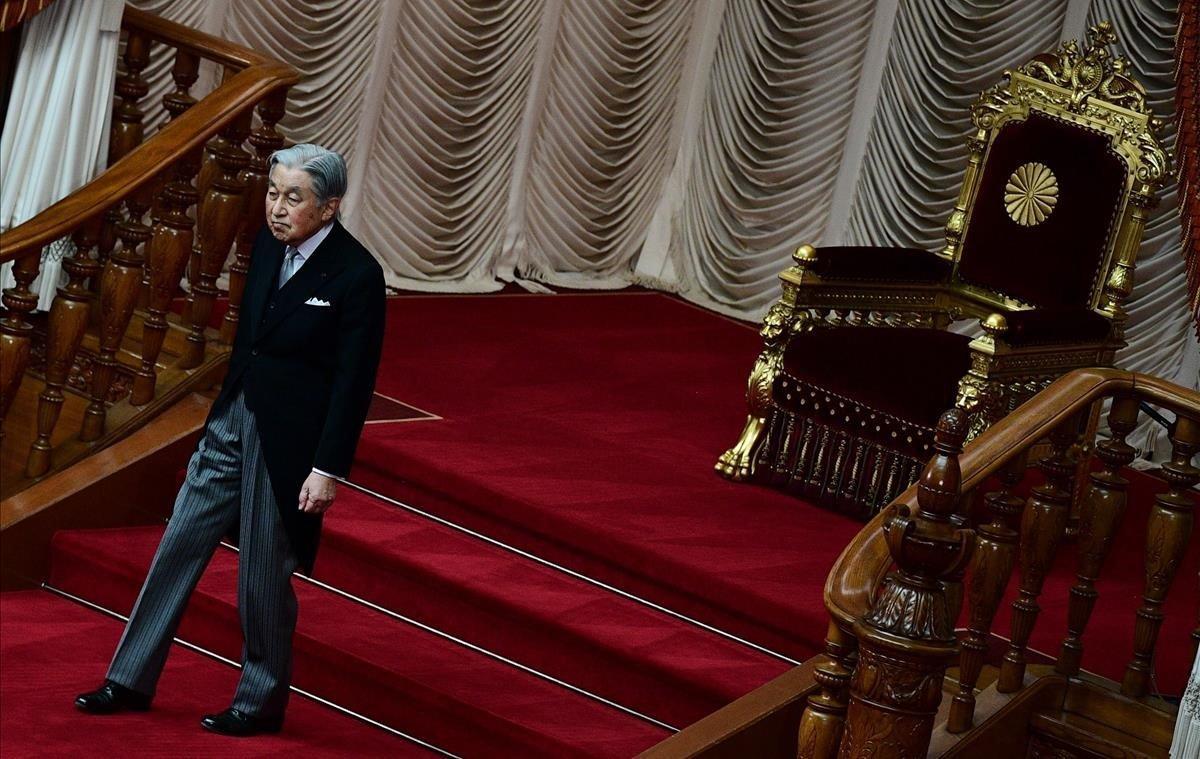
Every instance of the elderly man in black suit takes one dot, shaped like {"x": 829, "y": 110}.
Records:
{"x": 281, "y": 433}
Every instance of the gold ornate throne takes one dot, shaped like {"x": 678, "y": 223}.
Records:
{"x": 1063, "y": 166}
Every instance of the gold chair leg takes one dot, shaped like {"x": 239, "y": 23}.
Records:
{"x": 738, "y": 462}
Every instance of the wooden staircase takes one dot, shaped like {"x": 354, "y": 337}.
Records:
{"x": 180, "y": 205}
{"x": 121, "y": 416}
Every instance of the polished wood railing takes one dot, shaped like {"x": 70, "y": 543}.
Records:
{"x": 168, "y": 206}
{"x": 897, "y": 588}
{"x": 895, "y": 592}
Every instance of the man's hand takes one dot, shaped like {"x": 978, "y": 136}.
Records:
{"x": 317, "y": 494}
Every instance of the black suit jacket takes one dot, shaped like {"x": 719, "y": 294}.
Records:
{"x": 308, "y": 371}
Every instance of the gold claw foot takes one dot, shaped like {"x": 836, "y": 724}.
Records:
{"x": 737, "y": 463}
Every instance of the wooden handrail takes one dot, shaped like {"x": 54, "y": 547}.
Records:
{"x": 176, "y": 139}
{"x": 182, "y": 37}
{"x": 863, "y": 564}
{"x": 895, "y": 591}
{"x": 172, "y": 204}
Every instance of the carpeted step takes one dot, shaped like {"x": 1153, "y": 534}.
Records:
{"x": 591, "y": 637}
{"x": 584, "y": 428}
{"x": 368, "y": 662}
{"x": 52, "y": 649}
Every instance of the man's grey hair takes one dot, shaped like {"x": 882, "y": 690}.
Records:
{"x": 326, "y": 167}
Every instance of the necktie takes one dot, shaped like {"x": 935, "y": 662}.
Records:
{"x": 291, "y": 263}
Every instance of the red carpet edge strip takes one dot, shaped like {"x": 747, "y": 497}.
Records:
{"x": 577, "y": 575}
{"x": 478, "y": 649}
{"x": 299, "y": 691}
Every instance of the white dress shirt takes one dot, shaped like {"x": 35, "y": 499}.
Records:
{"x": 306, "y": 248}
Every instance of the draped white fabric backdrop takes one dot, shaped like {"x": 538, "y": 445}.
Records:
{"x": 684, "y": 144}
{"x": 65, "y": 76}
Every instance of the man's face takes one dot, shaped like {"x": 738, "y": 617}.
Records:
{"x": 292, "y": 211}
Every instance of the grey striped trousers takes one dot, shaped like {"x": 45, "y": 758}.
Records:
{"x": 226, "y": 485}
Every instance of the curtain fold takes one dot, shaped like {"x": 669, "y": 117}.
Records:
{"x": 941, "y": 56}
{"x": 440, "y": 164}
{"x": 601, "y": 141}
{"x": 779, "y": 98}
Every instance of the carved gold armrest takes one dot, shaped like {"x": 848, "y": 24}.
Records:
{"x": 876, "y": 287}
{"x": 1010, "y": 366}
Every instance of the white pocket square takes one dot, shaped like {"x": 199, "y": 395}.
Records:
{"x": 317, "y": 302}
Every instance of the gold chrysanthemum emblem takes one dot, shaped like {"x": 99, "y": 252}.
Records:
{"x": 1031, "y": 194}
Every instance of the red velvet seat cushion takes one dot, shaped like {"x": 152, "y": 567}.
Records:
{"x": 911, "y": 373}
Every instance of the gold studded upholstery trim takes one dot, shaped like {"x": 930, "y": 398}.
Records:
{"x": 838, "y": 452}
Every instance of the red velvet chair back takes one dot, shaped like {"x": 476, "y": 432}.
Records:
{"x": 1045, "y": 214}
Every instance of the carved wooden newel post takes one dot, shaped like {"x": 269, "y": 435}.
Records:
{"x": 907, "y": 638}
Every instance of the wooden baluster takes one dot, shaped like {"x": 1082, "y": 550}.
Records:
{"x": 208, "y": 171}
{"x": 995, "y": 554}
{"x": 166, "y": 258}
{"x": 120, "y": 282}
{"x": 1167, "y": 535}
{"x": 210, "y": 167}
{"x": 218, "y": 223}
{"x": 126, "y": 130}
{"x": 16, "y": 332}
{"x": 954, "y": 580}
{"x": 127, "y": 119}
{"x": 1042, "y": 528}
{"x": 1100, "y": 515}
{"x": 68, "y": 321}
{"x": 824, "y": 718}
{"x": 266, "y": 140}
{"x": 104, "y": 248}
{"x": 907, "y": 638}
{"x": 171, "y": 238}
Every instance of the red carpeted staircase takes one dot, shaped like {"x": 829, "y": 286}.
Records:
{"x": 390, "y": 670}
{"x": 579, "y": 430}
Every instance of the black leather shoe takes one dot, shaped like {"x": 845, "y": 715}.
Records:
{"x": 241, "y": 725}
{"x": 111, "y": 698}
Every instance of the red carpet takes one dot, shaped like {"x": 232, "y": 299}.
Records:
{"x": 585, "y": 635}
{"x": 363, "y": 660}
{"x": 584, "y": 428}
{"x": 52, "y": 649}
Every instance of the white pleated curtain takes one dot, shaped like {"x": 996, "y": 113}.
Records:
{"x": 688, "y": 145}
{"x": 55, "y": 136}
